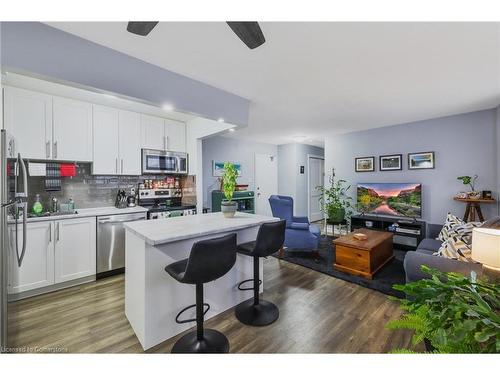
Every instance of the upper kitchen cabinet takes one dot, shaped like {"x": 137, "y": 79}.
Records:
{"x": 117, "y": 141}
{"x": 153, "y": 132}
{"x": 130, "y": 143}
{"x": 105, "y": 135}
{"x": 28, "y": 117}
{"x": 72, "y": 130}
{"x": 175, "y": 132}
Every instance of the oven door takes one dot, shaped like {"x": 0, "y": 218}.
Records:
{"x": 158, "y": 162}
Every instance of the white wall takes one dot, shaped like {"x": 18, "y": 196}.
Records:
{"x": 290, "y": 181}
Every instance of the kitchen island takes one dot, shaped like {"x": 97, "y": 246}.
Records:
{"x": 153, "y": 298}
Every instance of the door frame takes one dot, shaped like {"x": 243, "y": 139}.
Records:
{"x": 309, "y": 157}
{"x": 275, "y": 156}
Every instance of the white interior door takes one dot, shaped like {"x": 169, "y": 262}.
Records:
{"x": 316, "y": 173}
{"x": 266, "y": 182}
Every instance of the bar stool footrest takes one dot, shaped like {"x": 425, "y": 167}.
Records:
{"x": 187, "y": 308}
{"x": 247, "y": 281}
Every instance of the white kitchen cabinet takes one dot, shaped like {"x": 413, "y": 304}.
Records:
{"x": 28, "y": 117}
{"x": 105, "y": 135}
{"x": 37, "y": 268}
{"x": 117, "y": 141}
{"x": 153, "y": 132}
{"x": 130, "y": 143}
{"x": 175, "y": 132}
{"x": 75, "y": 249}
{"x": 72, "y": 130}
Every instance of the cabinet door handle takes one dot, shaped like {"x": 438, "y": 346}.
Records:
{"x": 122, "y": 166}
{"x": 54, "y": 151}
{"x": 165, "y": 145}
{"x": 58, "y": 230}
{"x": 47, "y": 149}
{"x": 50, "y": 233}
{"x": 116, "y": 165}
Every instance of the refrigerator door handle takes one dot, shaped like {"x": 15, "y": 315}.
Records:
{"x": 20, "y": 257}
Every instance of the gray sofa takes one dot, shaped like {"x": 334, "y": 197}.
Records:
{"x": 423, "y": 255}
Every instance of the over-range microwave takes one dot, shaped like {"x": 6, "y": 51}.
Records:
{"x": 164, "y": 162}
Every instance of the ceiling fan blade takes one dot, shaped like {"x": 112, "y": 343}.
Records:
{"x": 249, "y": 33}
{"x": 141, "y": 28}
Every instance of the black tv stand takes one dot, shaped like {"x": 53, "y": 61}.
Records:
{"x": 407, "y": 236}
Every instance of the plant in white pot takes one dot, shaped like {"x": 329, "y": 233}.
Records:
{"x": 229, "y": 206}
{"x": 471, "y": 181}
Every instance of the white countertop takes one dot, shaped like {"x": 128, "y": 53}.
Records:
{"x": 157, "y": 232}
{"x": 88, "y": 212}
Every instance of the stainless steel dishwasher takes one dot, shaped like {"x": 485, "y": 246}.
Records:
{"x": 111, "y": 242}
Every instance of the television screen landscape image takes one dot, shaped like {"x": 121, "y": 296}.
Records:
{"x": 394, "y": 199}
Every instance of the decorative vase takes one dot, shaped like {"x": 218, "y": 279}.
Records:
{"x": 228, "y": 208}
{"x": 336, "y": 214}
{"x": 474, "y": 194}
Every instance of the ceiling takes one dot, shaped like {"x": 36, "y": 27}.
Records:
{"x": 316, "y": 79}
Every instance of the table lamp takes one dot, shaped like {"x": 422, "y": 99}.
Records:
{"x": 486, "y": 247}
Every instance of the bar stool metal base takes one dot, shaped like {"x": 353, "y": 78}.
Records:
{"x": 213, "y": 342}
{"x": 262, "y": 314}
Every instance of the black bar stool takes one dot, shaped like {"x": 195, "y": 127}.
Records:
{"x": 208, "y": 260}
{"x": 270, "y": 239}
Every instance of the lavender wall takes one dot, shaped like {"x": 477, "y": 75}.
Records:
{"x": 464, "y": 145}
{"x": 229, "y": 149}
{"x": 38, "y": 48}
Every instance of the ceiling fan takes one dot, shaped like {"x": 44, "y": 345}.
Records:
{"x": 249, "y": 32}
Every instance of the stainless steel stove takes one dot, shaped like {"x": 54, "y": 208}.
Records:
{"x": 163, "y": 203}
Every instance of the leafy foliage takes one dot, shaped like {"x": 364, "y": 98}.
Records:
{"x": 454, "y": 313}
{"x": 229, "y": 180}
{"x": 468, "y": 180}
{"x": 335, "y": 197}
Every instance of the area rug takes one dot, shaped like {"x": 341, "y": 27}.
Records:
{"x": 392, "y": 273}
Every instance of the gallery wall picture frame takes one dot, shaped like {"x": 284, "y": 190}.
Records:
{"x": 364, "y": 164}
{"x": 392, "y": 162}
{"x": 421, "y": 160}
{"x": 218, "y": 168}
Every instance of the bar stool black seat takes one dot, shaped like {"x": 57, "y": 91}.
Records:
{"x": 258, "y": 312}
{"x": 208, "y": 261}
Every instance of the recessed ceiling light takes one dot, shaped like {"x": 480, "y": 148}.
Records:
{"x": 299, "y": 138}
{"x": 231, "y": 130}
{"x": 167, "y": 107}
{"x": 220, "y": 119}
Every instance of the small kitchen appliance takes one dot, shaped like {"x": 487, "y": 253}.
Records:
{"x": 164, "y": 162}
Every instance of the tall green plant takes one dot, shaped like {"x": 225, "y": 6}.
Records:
{"x": 469, "y": 180}
{"x": 229, "y": 180}
{"x": 454, "y": 313}
{"x": 335, "y": 197}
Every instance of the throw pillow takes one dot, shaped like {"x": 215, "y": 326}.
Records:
{"x": 458, "y": 245}
{"x": 451, "y": 222}
{"x": 455, "y": 248}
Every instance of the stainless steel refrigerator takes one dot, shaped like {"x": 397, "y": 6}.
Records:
{"x": 13, "y": 199}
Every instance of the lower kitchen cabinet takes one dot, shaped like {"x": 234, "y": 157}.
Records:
{"x": 37, "y": 269}
{"x": 75, "y": 249}
{"x": 56, "y": 251}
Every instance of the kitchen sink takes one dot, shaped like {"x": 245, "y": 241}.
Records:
{"x": 46, "y": 214}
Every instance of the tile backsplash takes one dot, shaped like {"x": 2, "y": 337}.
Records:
{"x": 90, "y": 191}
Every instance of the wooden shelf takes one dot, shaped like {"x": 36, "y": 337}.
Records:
{"x": 472, "y": 200}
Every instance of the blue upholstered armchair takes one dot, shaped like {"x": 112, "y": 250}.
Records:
{"x": 299, "y": 234}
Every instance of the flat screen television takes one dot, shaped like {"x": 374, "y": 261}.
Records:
{"x": 393, "y": 199}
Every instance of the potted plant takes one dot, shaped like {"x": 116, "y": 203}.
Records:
{"x": 335, "y": 202}
{"x": 229, "y": 206}
{"x": 471, "y": 181}
{"x": 451, "y": 313}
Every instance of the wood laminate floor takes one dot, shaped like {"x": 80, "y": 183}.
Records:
{"x": 318, "y": 314}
